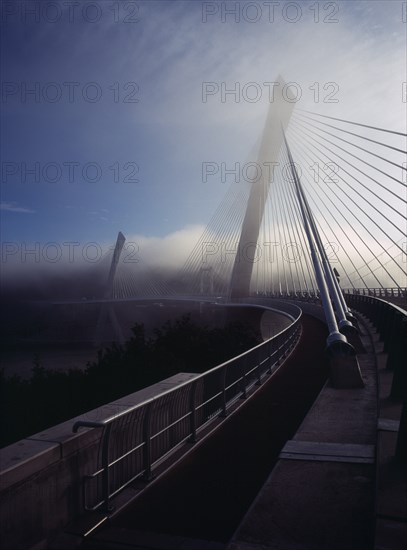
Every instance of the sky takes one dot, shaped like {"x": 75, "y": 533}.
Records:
{"x": 109, "y": 108}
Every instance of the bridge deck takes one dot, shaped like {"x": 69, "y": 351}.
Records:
{"x": 207, "y": 494}
{"x": 321, "y": 492}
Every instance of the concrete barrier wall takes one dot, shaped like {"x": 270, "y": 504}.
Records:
{"x": 41, "y": 477}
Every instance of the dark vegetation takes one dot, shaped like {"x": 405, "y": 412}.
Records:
{"x": 50, "y": 397}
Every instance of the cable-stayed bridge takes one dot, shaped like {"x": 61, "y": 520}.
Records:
{"x": 313, "y": 225}
{"x": 322, "y": 204}
{"x": 354, "y": 177}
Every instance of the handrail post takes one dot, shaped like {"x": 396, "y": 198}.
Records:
{"x": 224, "y": 412}
{"x": 259, "y": 355}
{"x": 105, "y": 469}
{"x": 283, "y": 348}
{"x": 278, "y": 350}
{"x": 192, "y": 438}
{"x": 269, "y": 357}
{"x": 243, "y": 378}
{"x": 147, "y": 444}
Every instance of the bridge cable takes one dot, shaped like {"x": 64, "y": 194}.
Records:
{"x": 295, "y": 201}
{"x": 353, "y": 134}
{"x": 366, "y": 229}
{"x": 330, "y": 318}
{"x": 294, "y": 208}
{"x": 335, "y": 291}
{"x": 379, "y": 266}
{"x": 364, "y": 198}
{"x": 332, "y": 231}
{"x": 359, "y": 170}
{"x": 360, "y": 208}
{"x": 359, "y": 158}
{"x": 330, "y": 227}
{"x": 293, "y": 224}
{"x": 322, "y": 194}
{"x": 355, "y": 123}
{"x": 358, "y": 236}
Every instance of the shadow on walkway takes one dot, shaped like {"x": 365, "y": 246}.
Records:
{"x": 206, "y": 495}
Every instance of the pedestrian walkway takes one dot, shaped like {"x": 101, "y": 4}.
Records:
{"x": 201, "y": 501}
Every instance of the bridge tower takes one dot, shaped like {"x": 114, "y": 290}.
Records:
{"x": 107, "y": 310}
{"x": 121, "y": 239}
{"x": 271, "y": 142}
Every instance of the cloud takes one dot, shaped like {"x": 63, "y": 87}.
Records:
{"x": 34, "y": 260}
{"x": 57, "y": 270}
{"x": 169, "y": 252}
{"x": 13, "y": 207}
{"x": 147, "y": 262}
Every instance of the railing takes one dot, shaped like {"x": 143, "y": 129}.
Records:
{"x": 397, "y": 292}
{"x": 134, "y": 442}
{"x": 391, "y": 323}
{"x": 295, "y": 295}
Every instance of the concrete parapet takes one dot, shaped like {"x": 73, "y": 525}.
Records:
{"x": 41, "y": 476}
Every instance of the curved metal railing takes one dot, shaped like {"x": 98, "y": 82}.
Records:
{"x": 398, "y": 292}
{"x": 135, "y": 441}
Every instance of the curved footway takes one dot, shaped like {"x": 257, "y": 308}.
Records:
{"x": 207, "y": 493}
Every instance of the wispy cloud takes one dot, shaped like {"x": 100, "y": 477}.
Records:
{"x": 13, "y": 207}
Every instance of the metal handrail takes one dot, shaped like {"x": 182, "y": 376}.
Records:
{"x": 102, "y": 423}
{"x": 133, "y": 441}
{"x": 377, "y": 292}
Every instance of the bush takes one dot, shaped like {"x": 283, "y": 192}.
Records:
{"x": 50, "y": 397}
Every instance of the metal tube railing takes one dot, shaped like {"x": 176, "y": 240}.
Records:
{"x": 135, "y": 440}
{"x": 388, "y": 292}
{"x": 397, "y": 292}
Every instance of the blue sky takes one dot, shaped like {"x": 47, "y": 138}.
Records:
{"x": 168, "y": 51}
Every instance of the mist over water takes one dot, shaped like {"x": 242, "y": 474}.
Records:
{"x": 51, "y": 319}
